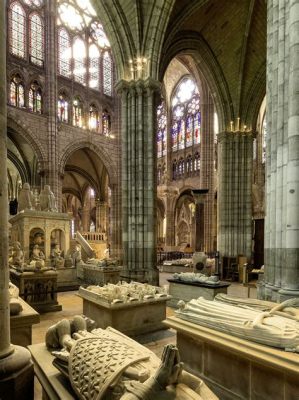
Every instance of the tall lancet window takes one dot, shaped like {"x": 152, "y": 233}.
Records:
{"x": 77, "y": 112}
{"x": 17, "y": 26}
{"x": 35, "y": 98}
{"x": 79, "y": 55}
{"x": 107, "y": 74}
{"x": 63, "y": 108}
{"x": 64, "y": 53}
{"x": 36, "y": 45}
{"x": 161, "y": 133}
{"x": 186, "y": 115}
{"x": 17, "y": 92}
{"x": 94, "y": 119}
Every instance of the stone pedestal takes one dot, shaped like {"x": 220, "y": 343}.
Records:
{"x": 189, "y": 290}
{"x": 21, "y": 325}
{"x": 92, "y": 274}
{"x": 134, "y": 318}
{"x": 235, "y": 368}
{"x": 67, "y": 279}
{"x": 39, "y": 289}
{"x": 17, "y": 375}
{"x": 55, "y": 385}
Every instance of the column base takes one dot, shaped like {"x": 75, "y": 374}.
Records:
{"x": 17, "y": 375}
{"x": 270, "y": 292}
{"x": 286, "y": 294}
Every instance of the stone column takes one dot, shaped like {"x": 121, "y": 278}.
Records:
{"x": 138, "y": 178}
{"x": 234, "y": 193}
{"x": 282, "y": 181}
{"x": 16, "y": 370}
{"x": 170, "y": 195}
{"x": 290, "y": 274}
{"x": 207, "y": 169}
{"x": 115, "y": 230}
{"x": 85, "y": 218}
{"x": 101, "y": 216}
{"x": 199, "y": 199}
{"x": 53, "y": 178}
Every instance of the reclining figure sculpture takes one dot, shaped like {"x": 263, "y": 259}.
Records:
{"x": 105, "y": 364}
{"x": 278, "y": 327}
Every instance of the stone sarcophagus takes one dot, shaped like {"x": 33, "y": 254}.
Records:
{"x": 39, "y": 289}
{"x": 120, "y": 306}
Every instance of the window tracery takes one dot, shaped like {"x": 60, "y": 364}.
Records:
{"x": 63, "y": 108}
{"x": 264, "y": 139}
{"x": 77, "y": 112}
{"x": 36, "y": 43}
{"x": 106, "y": 123}
{"x": 107, "y": 74}
{"x": 79, "y": 52}
{"x": 35, "y": 98}
{"x": 161, "y": 135}
{"x": 17, "y": 25}
{"x": 186, "y": 115}
{"x": 83, "y": 46}
{"x": 64, "y": 53}
{"x": 94, "y": 120}
{"x": 196, "y": 162}
{"x": 17, "y": 92}
{"x": 34, "y": 3}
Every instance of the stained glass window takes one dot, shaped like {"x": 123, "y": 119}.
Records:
{"x": 13, "y": 94}
{"x": 189, "y": 131}
{"x": 34, "y": 3}
{"x": 161, "y": 135}
{"x": 77, "y": 112}
{"x": 178, "y": 128}
{"x": 197, "y": 128}
{"x": 64, "y": 53}
{"x": 107, "y": 74}
{"x": 63, "y": 108}
{"x": 106, "y": 123}
{"x": 99, "y": 35}
{"x": 17, "y": 92}
{"x": 17, "y": 22}
{"x": 264, "y": 138}
{"x": 186, "y": 115}
{"x": 174, "y": 136}
{"x": 35, "y": 98}
{"x": 181, "y": 167}
{"x": 82, "y": 57}
{"x": 94, "y": 67}
{"x": 174, "y": 170}
{"x": 189, "y": 165}
{"x": 79, "y": 56}
{"x": 93, "y": 121}
{"x": 196, "y": 162}
{"x": 36, "y": 39}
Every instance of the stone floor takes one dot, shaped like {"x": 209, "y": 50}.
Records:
{"x": 72, "y": 305}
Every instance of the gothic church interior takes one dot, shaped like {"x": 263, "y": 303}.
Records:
{"x": 153, "y": 137}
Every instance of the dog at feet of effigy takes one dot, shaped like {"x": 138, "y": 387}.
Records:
{"x": 104, "y": 364}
